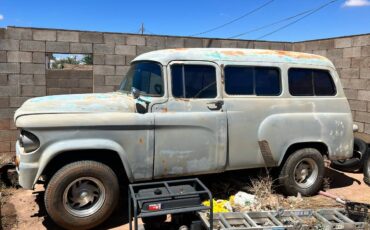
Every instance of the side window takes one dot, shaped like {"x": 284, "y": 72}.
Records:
{"x": 193, "y": 81}
{"x": 310, "y": 82}
{"x": 252, "y": 80}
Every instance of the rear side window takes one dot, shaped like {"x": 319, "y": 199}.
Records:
{"x": 310, "y": 82}
{"x": 252, "y": 80}
{"x": 193, "y": 81}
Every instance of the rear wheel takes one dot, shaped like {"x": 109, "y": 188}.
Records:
{"x": 82, "y": 195}
{"x": 302, "y": 172}
{"x": 367, "y": 168}
{"x": 356, "y": 162}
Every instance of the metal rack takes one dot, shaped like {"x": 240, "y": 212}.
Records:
{"x": 168, "y": 197}
{"x": 283, "y": 219}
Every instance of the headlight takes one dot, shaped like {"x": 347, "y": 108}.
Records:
{"x": 28, "y": 141}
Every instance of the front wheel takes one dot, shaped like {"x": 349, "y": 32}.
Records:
{"x": 302, "y": 173}
{"x": 82, "y": 195}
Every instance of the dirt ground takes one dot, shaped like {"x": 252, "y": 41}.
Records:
{"x": 24, "y": 209}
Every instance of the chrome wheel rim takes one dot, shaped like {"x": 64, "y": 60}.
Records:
{"x": 84, "y": 196}
{"x": 306, "y": 173}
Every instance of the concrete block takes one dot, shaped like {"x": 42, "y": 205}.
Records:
{"x": 3, "y": 79}
{"x": 15, "y": 102}
{"x": 104, "y": 48}
{"x": 5, "y": 147}
{"x": 193, "y": 43}
{"x": 175, "y": 42}
{"x": 261, "y": 45}
{"x": 362, "y": 40}
{"x": 154, "y": 41}
{"x": 326, "y": 44}
{"x": 8, "y": 91}
{"x": 334, "y": 54}
{"x": 113, "y": 80}
{"x": 115, "y": 60}
{"x": 2, "y": 33}
{"x": 365, "y": 51}
{"x": 229, "y": 44}
{"x": 57, "y": 91}
{"x": 114, "y": 38}
{"x": 81, "y": 90}
{"x": 129, "y": 59}
{"x": 299, "y": 47}
{"x": 350, "y": 73}
{"x": 98, "y": 59}
{"x": 4, "y": 124}
{"x": 125, "y": 50}
{"x": 32, "y": 46}
{"x": 122, "y": 70}
{"x": 4, "y": 102}
{"x": 135, "y": 40}
{"x": 26, "y": 79}
{"x": 57, "y": 47}
{"x": 9, "y": 44}
{"x": 288, "y": 46}
{"x": 355, "y": 62}
{"x": 81, "y": 48}
{"x": 245, "y": 44}
{"x": 362, "y": 116}
{"x": 365, "y": 62}
{"x": 91, "y": 37}
{"x": 85, "y": 83}
{"x": 104, "y": 70}
{"x": 364, "y": 95}
{"x": 342, "y": 62}
{"x": 18, "y": 33}
{"x": 68, "y": 83}
{"x": 103, "y": 89}
{"x": 28, "y": 68}
{"x": 19, "y": 56}
{"x": 144, "y": 49}
{"x": 365, "y": 73}
{"x": 38, "y": 57}
{"x": 99, "y": 80}
{"x": 352, "y": 52}
{"x": 211, "y": 43}
{"x": 31, "y": 90}
{"x": 39, "y": 79}
{"x": 45, "y": 35}
{"x": 9, "y": 67}
{"x": 358, "y": 105}
{"x": 320, "y": 52}
{"x": 355, "y": 83}
{"x": 13, "y": 79}
{"x": 277, "y": 46}
{"x": 3, "y": 56}
{"x": 368, "y": 106}
{"x": 351, "y": 93}
{"x": 67, "y": 36}
{"x": 343, "y": 42}
{"x": 367, "y": 128}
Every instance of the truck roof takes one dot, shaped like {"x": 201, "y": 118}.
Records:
{"x": 230, "y": 54}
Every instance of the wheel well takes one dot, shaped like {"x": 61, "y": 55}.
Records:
{"x": 108, "y": 157}
{"x": 321, "y": 147}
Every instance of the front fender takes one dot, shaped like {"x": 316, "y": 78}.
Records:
{"x": 82, "y": 144}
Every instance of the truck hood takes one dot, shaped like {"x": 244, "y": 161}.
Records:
{"x": 77, "y": 103}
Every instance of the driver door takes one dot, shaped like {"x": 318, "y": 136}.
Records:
{"x": 191, "y": 127}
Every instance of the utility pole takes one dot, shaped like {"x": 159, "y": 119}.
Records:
{"x": 142, "y": 29}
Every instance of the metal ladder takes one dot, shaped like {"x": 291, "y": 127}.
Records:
{"x": 283, "y": 219}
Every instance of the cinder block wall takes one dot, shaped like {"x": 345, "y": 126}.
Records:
{"x": 351, "y": 56}
{"x": 23, "y": 65}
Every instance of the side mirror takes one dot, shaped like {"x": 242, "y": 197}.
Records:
{"x": 135, "y": 93}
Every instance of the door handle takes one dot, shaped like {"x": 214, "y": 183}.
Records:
{"x": 217, "y": 105}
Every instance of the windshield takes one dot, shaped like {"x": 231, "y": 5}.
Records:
{"x": 146, "y": 77}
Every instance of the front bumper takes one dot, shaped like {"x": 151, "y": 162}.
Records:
{"x": 27, "y": 171}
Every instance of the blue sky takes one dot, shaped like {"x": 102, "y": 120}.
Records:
{"x": 344, "y": 17}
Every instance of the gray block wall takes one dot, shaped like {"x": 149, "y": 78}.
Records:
{"x": 23, "y": 72}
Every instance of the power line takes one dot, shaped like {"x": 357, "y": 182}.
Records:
{"x": 271, "y": 24}
{"x": 299, "y": 19}
{"x": 234, "y": 20}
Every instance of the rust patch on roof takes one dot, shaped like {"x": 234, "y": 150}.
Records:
{"x": 282, "y": 53}
{"x": 233, "y": 52}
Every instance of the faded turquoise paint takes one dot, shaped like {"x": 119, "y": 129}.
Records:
{"x": 78, "y": 103}
{"x": 237, "y": 55}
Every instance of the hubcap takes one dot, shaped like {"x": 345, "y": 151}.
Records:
{"x": 306, "y": 173}
{"x": 84, "y": 196}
